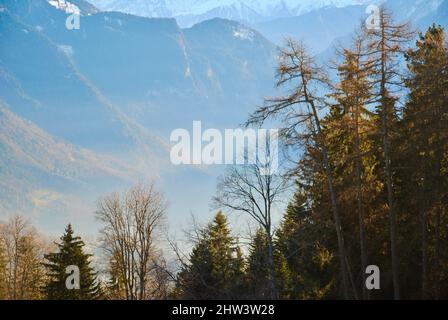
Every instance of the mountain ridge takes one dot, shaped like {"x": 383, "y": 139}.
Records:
{"x": 189, "y": 12}
{"x": 117, "y": 87}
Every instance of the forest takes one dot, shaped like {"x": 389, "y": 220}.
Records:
{"x": 365, "y": 139}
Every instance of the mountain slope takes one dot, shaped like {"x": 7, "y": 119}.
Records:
{"x": 46, "y": 86}
{"x": 45, "y": 176}
{"x": 118, "y": 86}
{"x": 165, "y": 65}
{"x": 57, "y": 99}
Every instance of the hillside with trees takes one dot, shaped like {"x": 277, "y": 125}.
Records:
{"x": 365, "y": 138}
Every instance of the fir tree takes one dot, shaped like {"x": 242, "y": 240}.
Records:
{"x": 258, "y": 271}
{"x": 425, "y": 136}
{"x": 70, "y": 253}
{"x": 305, "y": 239}
{"x": 215, "y": 268}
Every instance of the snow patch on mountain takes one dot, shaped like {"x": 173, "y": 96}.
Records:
{"x": 66, "y": 6}
{"x": 243, "y": 33}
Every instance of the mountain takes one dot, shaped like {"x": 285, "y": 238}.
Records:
{"x": 318, "y": 23}
{"x": 43, "y": 176}
{"x": 318, "y": 28}
{"x": 420, "y": 14}
{"x": 116, "y": 88}
{"x": 90, "y": 110}
{"x": 44, "y": 86}
{"x": 166, "y": 65}
{"x": 189, "y": 12}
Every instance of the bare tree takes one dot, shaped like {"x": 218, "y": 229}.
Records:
{"x": 23, "y": 273}
{"x": 299, "y": 113}
{"x": 130, "y": 225}
{"x": 254, "y": 189}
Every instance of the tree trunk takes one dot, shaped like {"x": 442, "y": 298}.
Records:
{"x": 386, "y": 104}
{"x": 392, "y": 215}
{"x": 273, "y": 284}
{"x": 362, "y": 238}
{"x": 424, "y": 253}
{"x": 437, "y": 254}
{"x": 336, "y": 217}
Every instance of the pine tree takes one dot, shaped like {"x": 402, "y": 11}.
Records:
{"x": 425, "y": 133}
{"x": 70, "y": 253}
{"x": 216, "y": 265}
{"x": 258, "y": 271}
{"x": 305, "y": 239}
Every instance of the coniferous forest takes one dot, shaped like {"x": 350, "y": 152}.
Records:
{"x": 364, "y": 141}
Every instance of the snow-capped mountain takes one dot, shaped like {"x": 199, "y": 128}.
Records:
{"x": 84, "y": 112}
{"x": 188, "y": 12}
{"x": 89, "y": 111}
{"x": 317, "y": 22}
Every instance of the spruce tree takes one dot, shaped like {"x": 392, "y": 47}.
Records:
{"x": 215, "y": 268}
{"x": 258, "y": 271}
{"x": 425, "y": 136}
{"x": 306, "y": 241}
{"x": 70, "y": 253}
